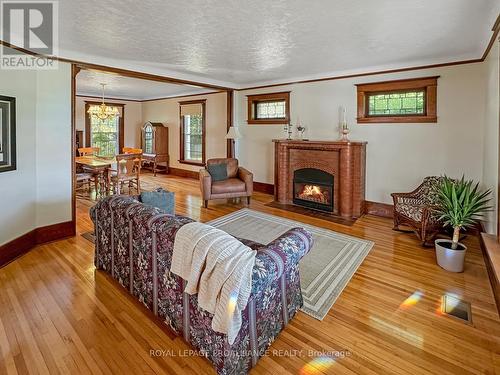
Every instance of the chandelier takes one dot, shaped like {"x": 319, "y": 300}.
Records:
{"x": 103, "y": 112}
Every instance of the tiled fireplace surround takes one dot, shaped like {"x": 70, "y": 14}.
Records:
{"x": 346, "y": 161}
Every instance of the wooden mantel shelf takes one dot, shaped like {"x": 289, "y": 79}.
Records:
{"x": 312, "y": 142}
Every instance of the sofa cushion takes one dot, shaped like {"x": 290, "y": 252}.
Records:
{"x": 414, "y": 212}
{"x": 231, "y": 185}
{"x": 218, "y": 171}
{"x": 162, "y": 199}
{"x": 231, "y": 165}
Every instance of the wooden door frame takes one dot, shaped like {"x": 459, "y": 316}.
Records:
{"x": 230, "y": 148}
{"x": 74, "y": 72}
{"x": 121, "y": 124}
{"x": 76, "y": 67}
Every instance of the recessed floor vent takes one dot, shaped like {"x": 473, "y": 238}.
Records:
{"x": 456, "y": 308}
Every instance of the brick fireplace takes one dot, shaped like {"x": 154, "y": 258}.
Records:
{"x": 326, "y": 176}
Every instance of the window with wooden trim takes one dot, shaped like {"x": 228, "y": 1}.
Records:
{"x": 108, "y": 134}
{"x": 192, "y": 120}
{"x": 406, "y": 100}
{"x": 273, "y": 108}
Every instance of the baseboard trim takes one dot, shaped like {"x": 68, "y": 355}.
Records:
{"x": 17, "y": 247}
{"x": 263, "y": 187}
{"x": 55, "y": 232}
{"x": 379, "y": 209}
{"x": 38, "y": 236}
{"x": 491, "y": 248}
{"x": 184, "y": 173}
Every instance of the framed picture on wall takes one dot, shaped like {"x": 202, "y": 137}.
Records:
{"x": 7, "y": 133}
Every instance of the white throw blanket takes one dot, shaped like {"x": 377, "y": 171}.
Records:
{"x": 219, "y": 268}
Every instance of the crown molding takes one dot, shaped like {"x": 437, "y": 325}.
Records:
{"x": 495, "y": 29}
{"x": 120, "y": 71}
{"x": 107, "y": 98}
{"x": 154, "y": 77}
{"x": 183, "y": 96}
{"x": 354, "y": 75}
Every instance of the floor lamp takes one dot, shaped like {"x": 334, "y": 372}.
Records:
{"x": 232, "y": 134}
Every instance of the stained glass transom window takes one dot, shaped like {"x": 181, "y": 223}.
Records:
{"x": 397, "y": 103}
{"x": 270, "y": 109}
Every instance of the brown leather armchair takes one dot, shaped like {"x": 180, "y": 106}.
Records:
{"x": 239, "y": 182}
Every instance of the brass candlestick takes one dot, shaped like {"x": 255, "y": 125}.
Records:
{"x": 289, "y": 130}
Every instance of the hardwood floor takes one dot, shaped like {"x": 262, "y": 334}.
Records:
{"x": 57, "y": 315}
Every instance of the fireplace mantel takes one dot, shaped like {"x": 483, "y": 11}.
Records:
{"x": 344, "y": 160}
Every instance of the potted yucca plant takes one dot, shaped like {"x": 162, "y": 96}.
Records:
{"x": 460, "y": 205}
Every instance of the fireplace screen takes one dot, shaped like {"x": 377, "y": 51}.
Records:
{"x": 313, "y": 188}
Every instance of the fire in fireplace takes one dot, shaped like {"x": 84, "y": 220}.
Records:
{"x": 313, "y": 188}
{"x": 314, "y": 193}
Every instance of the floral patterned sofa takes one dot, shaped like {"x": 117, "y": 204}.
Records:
{"x": 134, "y": 244}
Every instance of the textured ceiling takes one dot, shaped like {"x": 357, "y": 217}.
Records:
{"x": 239, "y": 43}
{"x": 88, "y": 84}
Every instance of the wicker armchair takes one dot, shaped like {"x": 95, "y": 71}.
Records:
{"x": 415, "y": 210}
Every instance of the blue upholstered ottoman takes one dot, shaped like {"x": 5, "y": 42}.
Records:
{"x": 162, "y": 199}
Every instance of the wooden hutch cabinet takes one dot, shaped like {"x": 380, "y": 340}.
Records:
{"x": 155, "y": 146}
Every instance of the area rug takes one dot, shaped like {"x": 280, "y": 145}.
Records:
{"x": 89, "y": 236}
{"x": 324, "y": 271}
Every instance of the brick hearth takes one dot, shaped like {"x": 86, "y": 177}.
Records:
{"x": 346, "y": 161}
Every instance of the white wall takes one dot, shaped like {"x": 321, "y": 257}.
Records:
{"x": 18, "y": 187}
{"x": 133, "y": 119}
{"x": 53, "y": 146}
{"x": 398, "y": 155}
{"x": 167, "y": 112}
{"x": 491, "y": 136}
{"x": 38, "y": 192}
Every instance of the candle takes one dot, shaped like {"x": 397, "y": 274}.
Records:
{"x": 342, "y": 114}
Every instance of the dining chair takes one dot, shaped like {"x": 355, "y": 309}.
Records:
{"x": 83, "y": 178}
{"x": 132, "y": 150}
{"x": 128, "y": 169}
{"x": 88, "y": 151}
{"x": 85, "y": 175}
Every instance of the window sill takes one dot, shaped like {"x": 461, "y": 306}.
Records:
{"x": 189, "y": 162}
{"x": 269, "y": 121}
{"x": 491, "y": 252}
{"x": 397, "y": 119}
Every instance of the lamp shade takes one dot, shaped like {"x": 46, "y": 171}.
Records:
{"x": 233, "y": 133}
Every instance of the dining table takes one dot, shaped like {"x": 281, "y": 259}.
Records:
{"x": 100, "y": 168}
